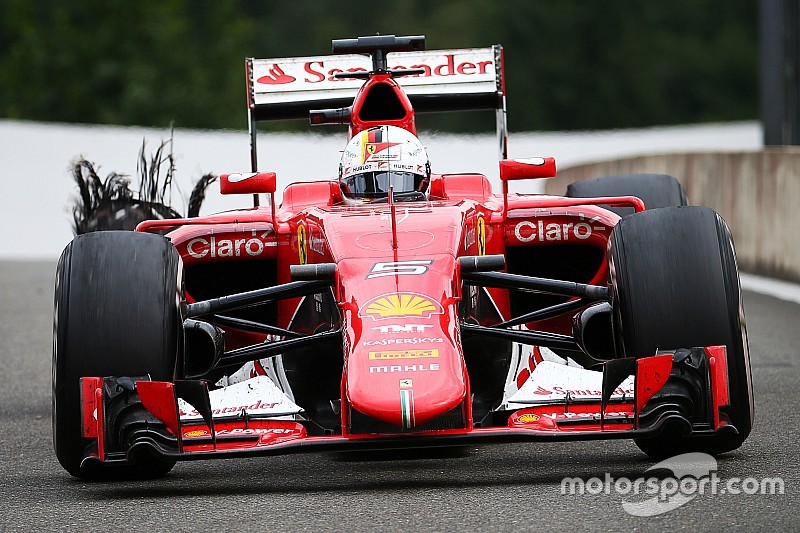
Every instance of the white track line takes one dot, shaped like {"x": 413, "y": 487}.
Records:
{"x": 783, "y": 290}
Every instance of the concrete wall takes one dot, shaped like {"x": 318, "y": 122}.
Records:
{"x": 757, "y": 193}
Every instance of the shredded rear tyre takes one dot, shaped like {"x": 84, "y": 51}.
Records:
{"x": 655, "y": 190}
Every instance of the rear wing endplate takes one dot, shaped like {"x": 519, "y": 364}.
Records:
{"x": 453, "y": 80}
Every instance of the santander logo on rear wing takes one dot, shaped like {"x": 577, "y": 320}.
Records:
{"x": 466, "y": 74}
{"x": 452, "y": 80}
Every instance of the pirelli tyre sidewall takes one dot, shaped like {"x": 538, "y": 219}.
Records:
{"x": 655, "y": 190}
{"x": 675, "y": 283}
{"x": 117, "y": 312}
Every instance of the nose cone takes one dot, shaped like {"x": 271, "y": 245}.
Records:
{"x": 405, "y": 367}
{"x": 407, "y": 386}
{"x": 403, "y": 360}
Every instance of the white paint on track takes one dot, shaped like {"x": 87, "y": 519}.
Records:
{"x": 782, "y": 290}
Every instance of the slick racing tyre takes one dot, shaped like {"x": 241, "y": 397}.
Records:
{"x": 117, "y": 312}
{"x": 655, "y": 190}
{"x": 675, "y": 284}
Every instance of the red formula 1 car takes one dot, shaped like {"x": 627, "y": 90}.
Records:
{"x": 394, "y": 307}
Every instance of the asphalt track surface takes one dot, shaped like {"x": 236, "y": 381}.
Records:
{"x": 503, "y": 488}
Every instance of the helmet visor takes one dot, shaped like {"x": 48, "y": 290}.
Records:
{"x": 376, "y": 184}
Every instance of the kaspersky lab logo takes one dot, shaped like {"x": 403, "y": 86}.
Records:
{"x": 692, "y": 475}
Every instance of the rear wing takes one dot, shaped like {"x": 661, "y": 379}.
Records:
{"x": 453, "y": 80}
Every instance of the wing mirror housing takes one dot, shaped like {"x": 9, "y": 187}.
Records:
{"x": 525, "y": 169}
{"x": 247, "y": 183}
{"x": 253, "y": 183}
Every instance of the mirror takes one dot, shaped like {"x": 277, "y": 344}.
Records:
{"x": 247, "y": 183}
{"x": 524, "y": 169}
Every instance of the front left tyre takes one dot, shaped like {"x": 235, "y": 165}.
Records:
{"x": 117, "y": 312}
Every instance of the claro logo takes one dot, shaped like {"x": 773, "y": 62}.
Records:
{"x": 528, "y": 231}
{"x": 217, "y": 246}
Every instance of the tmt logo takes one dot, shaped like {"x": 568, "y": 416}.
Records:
{"x": 407, "y": 328}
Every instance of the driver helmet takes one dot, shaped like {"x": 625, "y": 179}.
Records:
{"x": 382, "y": 157}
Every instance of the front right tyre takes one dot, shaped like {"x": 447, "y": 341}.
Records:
{"x": 117, "y": 312}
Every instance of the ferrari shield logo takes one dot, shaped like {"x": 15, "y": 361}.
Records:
{"x": 382, "y": 149}
{"x": 481, "y": 235}
{"x": 302, "y": 244}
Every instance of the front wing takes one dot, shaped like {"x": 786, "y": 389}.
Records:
{"x": 128, "y": 418}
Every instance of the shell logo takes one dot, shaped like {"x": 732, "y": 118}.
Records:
{"x": 196, "y": 433}
{"x": 527, "y": 418}
{"x": 400, "y": 305}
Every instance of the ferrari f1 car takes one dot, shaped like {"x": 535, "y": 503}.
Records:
{"x": 395, "y": 307}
